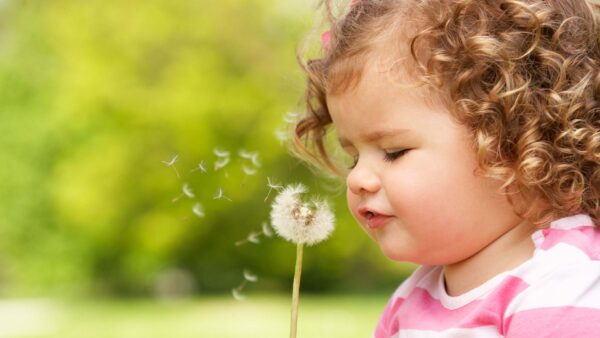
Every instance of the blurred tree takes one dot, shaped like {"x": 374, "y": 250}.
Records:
{"x": 96, "y": 94}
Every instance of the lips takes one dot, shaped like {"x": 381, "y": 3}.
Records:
{"x": 373, "y": 218}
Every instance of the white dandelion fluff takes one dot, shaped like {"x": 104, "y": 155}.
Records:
{"x": 251, "y": 156}
{"x": 221, "y": 153}
{"x": 221, "y": 163}
{"x": 201, "y": 166}
{"x": 253, "y": 237}
{"x": 248, "y": 170}
{"x": 266, "y": 230}
{"x": 171, "y": 163}
{"x": 249, "y": 276}
{"x": 272, "y": 185}
{"x": 187, "y": 190}
{"x": 281, "y": 135}
{"x": 237, "y": 294}
{"x": 198, "y": 210}
{"x": 301, "y": 222}
{"x": 255, "y": 160}
{"x": 220, "y": 195}
{"x": 291, "y": 117}
{"x": 245, "y": 154}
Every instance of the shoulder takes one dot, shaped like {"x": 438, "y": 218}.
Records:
{"x": 423, "y": 276}
{"x": 563, "y": 294}
{"x": 566, "y": 303}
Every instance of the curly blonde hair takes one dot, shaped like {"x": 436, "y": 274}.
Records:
{"x": 522, "y": 75}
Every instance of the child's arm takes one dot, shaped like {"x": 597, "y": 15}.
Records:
{"x": 566, "y": 304}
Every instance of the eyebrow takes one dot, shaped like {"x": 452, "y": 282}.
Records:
{"x": 377, "y": 134}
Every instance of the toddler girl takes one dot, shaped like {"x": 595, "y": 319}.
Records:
{"x": 475, "y": 132}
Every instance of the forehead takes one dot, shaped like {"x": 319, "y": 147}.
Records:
{"x": 386, "y": 102}
{"x": 382, "y": 81}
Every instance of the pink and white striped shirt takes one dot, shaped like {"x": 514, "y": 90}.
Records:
{"x": 556, "y": 293}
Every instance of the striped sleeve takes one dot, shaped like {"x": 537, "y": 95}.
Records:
{"x": 566, "y": 304}
{"x": 388, "y": 325}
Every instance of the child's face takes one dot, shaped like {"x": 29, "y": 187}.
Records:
{"x": 438, "y": 211}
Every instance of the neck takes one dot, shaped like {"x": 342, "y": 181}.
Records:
{"x": 508, "y": 251}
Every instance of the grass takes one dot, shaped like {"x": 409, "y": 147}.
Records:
{"x": 261, "y": 316}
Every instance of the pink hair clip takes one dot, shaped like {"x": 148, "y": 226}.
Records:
{"x": 326, "y": 35}
{"x": 325, "y": 39}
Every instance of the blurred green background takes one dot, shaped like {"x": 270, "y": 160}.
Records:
{"x": 96, "y": 96}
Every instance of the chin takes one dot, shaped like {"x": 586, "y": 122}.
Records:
{"x": 396, "y": 255}
{"x": 403, "y": 256}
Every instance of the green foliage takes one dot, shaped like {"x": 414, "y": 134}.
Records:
{"x": 95, "y": 94}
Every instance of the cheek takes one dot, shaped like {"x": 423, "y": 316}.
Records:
{"x": 438, "y": 194}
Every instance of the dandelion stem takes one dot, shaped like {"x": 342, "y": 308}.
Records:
{"x": 296, "y": 291}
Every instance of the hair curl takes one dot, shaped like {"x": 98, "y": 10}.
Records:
{"x": 523, "y": 76}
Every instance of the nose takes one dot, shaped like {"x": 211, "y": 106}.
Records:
{"x": 362, "y": 179}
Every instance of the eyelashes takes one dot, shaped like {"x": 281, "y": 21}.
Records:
{"x": 388, "y": 157}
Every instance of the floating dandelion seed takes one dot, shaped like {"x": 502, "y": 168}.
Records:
{"x": 201, "y": 166}
{"x": 221, "y": 163}
{"x": 198, "y": 210}
{"x": 291, "y": 117}
{"x": 252, "y": 156}
{"x": 281, "y": 135}
{"x": 252, "y": 237}
{"x": 221, "y": 153}
{"x": 220, "y": 195}
{"x": 297, "y": 222}
{"x": 171, "y": 163}
{"x": 188, "y": 191}
{"x": 266, "y": 230}
{"x": 272, "y": 185}
{"x": 249, "y": 276}
{"x": 248, "y": 171}
{"x": 237, "y": 294}
{"x": 245, "y": 154}
{"x": 255, "y": 160}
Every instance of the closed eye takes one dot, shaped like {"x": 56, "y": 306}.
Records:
{"x": 388, "y": 157}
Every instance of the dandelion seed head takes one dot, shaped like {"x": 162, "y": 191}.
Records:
{"x": 301, "y": 222}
